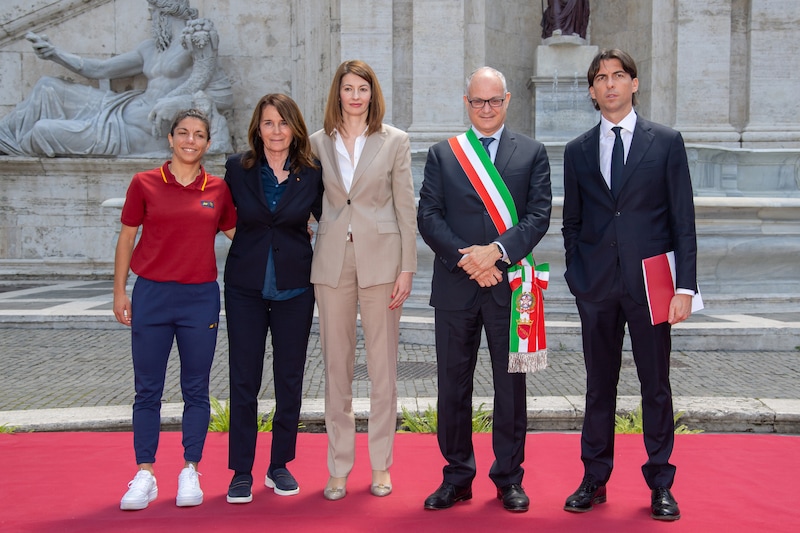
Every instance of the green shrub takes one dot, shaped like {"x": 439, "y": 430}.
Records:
{"x": 632, "y": 423}
{"x": 221, "y": 418}
{"x": 428, "y": 421}
{"x": 481, "y": 420}
{"x": 425, "y": 422}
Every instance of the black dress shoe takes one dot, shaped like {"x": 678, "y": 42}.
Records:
{"x": 514, "y": 498}
{"x": 663, "y": 505}
{"x": 446, "y": 496}
{"x": 239, "y": 491}
{"x": 588, "y": 494}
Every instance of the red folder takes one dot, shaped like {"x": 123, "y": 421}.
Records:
{"x": 659, "y": 285}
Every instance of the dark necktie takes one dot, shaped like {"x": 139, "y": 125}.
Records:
{"x": 617, "y": 161}
{"x": 486, "y": 141}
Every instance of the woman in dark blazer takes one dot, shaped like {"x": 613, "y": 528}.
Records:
{"x": 276, "y": 186}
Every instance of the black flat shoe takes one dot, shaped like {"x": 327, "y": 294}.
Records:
{"x": 446, "y": 496}
{"x": 588, "y": 494}
{"x": 239, "y": 491}
{"x": 663, "y": 505}
{"x": 513, "y": 497}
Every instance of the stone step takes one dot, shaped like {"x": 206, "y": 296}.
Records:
{"x": 736, "y": 332}
{"x": 738, "y": 322}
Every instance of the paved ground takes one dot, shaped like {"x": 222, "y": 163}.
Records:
{"x": 51, "y": 368}
{"x": 60, "y": 349}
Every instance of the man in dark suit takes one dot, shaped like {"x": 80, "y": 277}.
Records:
{"x": 621, "y": 205}
{"x": 470, "y": 289}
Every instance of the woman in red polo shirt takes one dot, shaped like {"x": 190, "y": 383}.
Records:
{"x": 176, "y": 296}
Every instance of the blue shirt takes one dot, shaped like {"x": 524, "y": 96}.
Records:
{"x": 273, "y": 191}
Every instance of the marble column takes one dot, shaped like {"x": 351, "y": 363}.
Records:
{"x": 702, "y": 114}
{"x": 366, "y": 34}
{"x": 314, "y": 57}
{"x": 774, "y": 76}
{"x": 439, "y": 72}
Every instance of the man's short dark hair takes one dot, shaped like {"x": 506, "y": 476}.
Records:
{"x": 628, "y": 65}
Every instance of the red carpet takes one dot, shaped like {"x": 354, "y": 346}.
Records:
{"x": 72, "y": 482}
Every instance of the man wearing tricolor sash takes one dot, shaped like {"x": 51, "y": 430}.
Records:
{"x": 484, "y": 204}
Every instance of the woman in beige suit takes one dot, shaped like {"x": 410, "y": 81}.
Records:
{"x": 365, "y": 257}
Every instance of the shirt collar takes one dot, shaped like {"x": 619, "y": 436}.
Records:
{"x": 496, "y": 135}
{"x": 628, "y": 124}
{"x": 335, "y": 133}
{"x": 199, "y": 181}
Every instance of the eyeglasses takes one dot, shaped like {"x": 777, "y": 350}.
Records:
{"x": 478, "y": 103}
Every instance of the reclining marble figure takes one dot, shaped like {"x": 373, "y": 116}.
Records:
{"x": 62, "y": 118}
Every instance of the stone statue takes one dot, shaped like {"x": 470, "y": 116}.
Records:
{"x": 565, "y": 17}
{"x": 61, "y": 118}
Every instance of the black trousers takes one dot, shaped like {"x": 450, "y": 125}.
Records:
{"x": 458, "y": 336}
{"x": 603, "y": 326}
{"x": 249, "y": 319}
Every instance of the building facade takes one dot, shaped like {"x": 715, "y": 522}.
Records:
{"x": 723, "y": 72}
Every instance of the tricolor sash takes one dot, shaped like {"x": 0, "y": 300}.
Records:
{"x": 527, "y": 346}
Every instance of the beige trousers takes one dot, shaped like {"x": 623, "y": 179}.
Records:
{"x": 337, "y": 318}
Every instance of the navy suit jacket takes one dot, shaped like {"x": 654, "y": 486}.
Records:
{"x": 451, "y": 215}
{"x": 653, "y": 213}
{"x": 258, "y": 229}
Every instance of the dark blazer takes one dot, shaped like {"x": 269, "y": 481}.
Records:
{"x": 258, "y": 228}
{"x": 653, "y": 212}
{"x": 451, "y": 215}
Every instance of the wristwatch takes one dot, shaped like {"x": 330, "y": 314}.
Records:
{"x": 500, "y": 249}
{"x": 502, "y": 254}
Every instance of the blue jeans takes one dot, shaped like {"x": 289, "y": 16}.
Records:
{"x": 161, "y": 312}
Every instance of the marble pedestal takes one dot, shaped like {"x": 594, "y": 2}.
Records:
{"x": 52, "y": 219}
{"x": 562, "y": 109}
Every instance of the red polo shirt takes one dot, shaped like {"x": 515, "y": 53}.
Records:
{"x": 179, "y": 224}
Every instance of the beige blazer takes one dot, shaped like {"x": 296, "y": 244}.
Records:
{"x": 380, "y": 209}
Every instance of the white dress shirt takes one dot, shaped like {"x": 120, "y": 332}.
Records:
{"x": 628, "y": 124}
{"x": 347, "y": 168}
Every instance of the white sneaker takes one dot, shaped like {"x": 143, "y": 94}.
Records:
{"x": 141, "y": 491}
{"x": 189, "y": 493}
